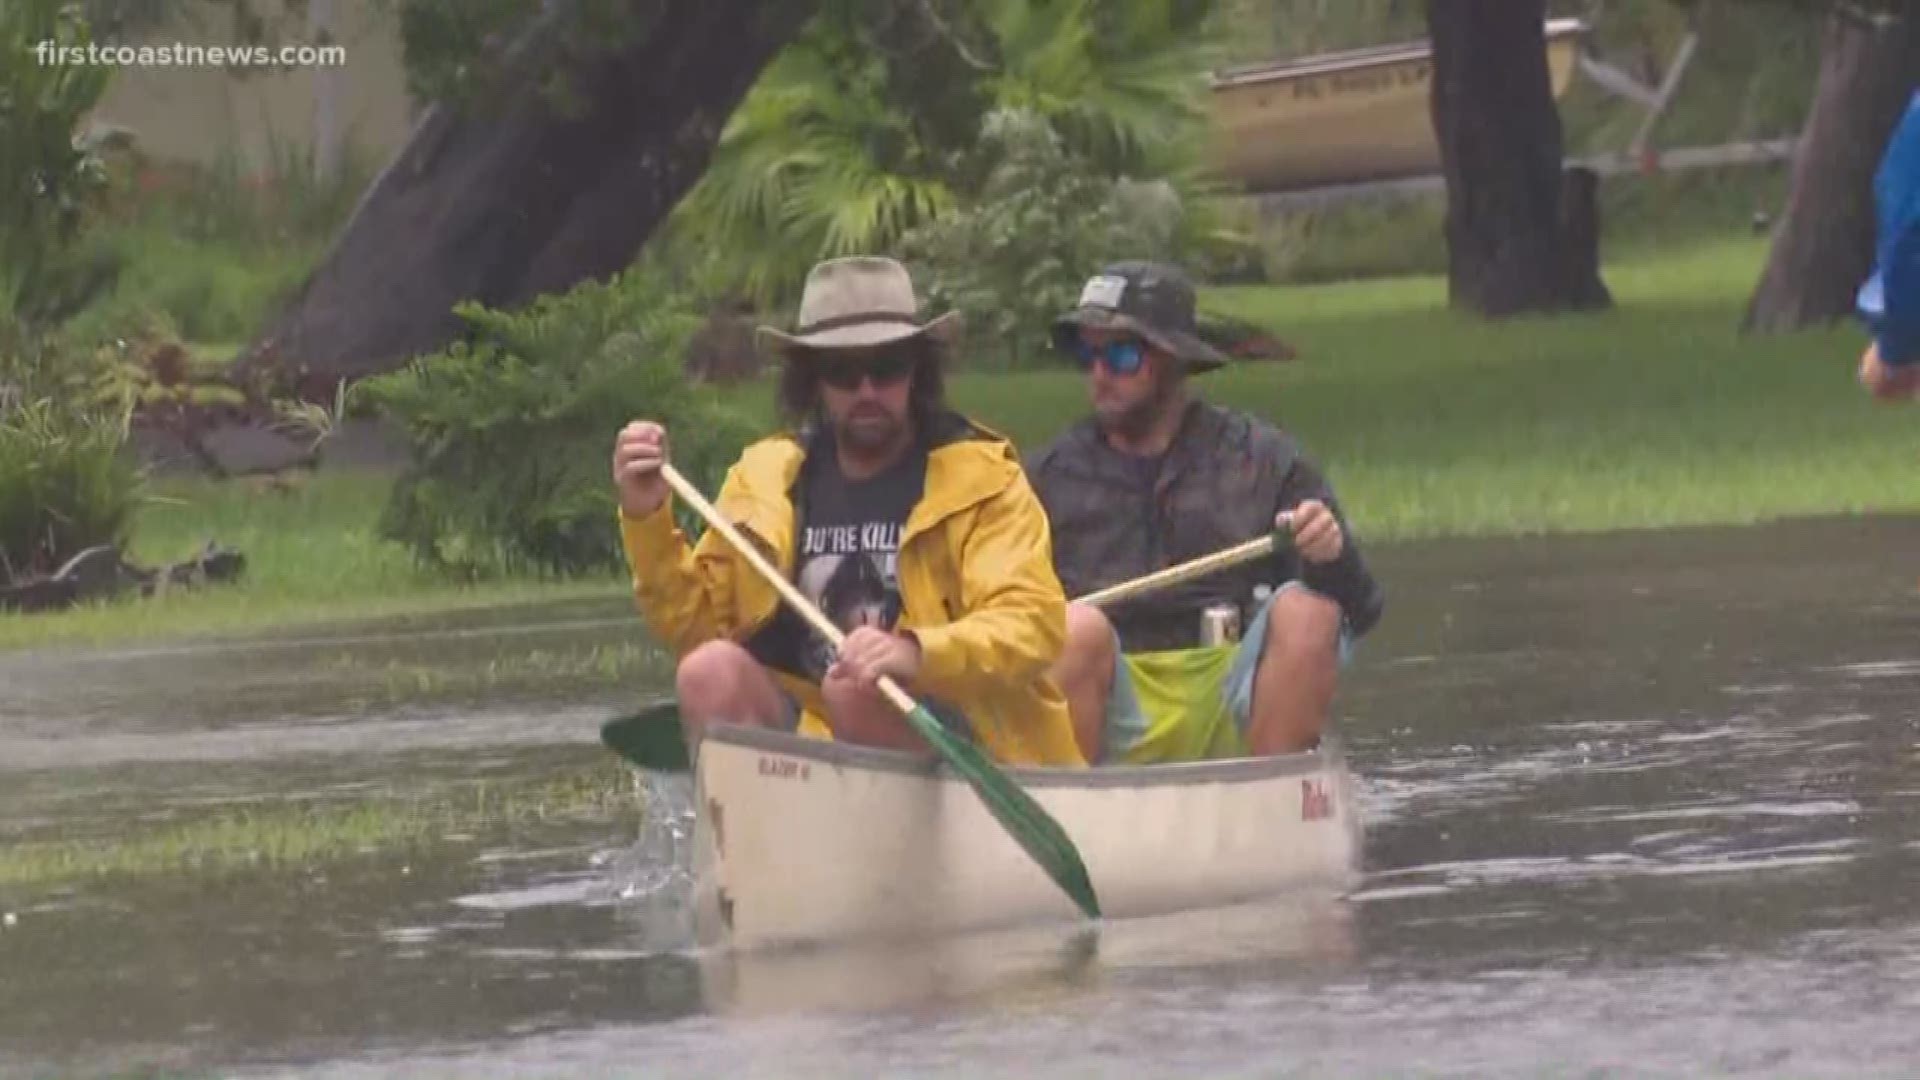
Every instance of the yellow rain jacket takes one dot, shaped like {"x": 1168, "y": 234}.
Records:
{"x": 977, "y": 588}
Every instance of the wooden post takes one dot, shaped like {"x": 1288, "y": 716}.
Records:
{"x": 329, "y": 85}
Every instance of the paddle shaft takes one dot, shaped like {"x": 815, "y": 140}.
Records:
{"x": 795, "y": 599}
{"x": 1185, "y": 572}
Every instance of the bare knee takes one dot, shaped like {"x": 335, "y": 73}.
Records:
{"x": 709, "y": 672}
{"x": 1303, "y": 627}
{"x": 720, "y": 681}
{"x": 1085, "y": 674}
{"x": 1299, "y": 670}
{"x": 859, "y": 714}
{"x": 1090, "y": 647}
{"x": 844, "y": 695}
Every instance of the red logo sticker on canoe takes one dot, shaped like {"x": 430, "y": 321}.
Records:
{"x": 1315, "y": 803}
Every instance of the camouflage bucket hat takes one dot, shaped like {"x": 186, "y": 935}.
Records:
{"x": 1153, "y": 300}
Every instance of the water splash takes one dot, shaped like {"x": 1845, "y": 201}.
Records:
{"x": 661, "y": 858}
{"x": 651, "y": 879}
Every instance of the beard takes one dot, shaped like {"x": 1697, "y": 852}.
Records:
{"x": 869, "y": 431}
{"x": 1135, "y": 419}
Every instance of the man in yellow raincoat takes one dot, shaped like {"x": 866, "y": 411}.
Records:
{"x": 909, "y": 526}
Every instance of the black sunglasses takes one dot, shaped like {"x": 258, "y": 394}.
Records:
{"x": 884, "y": 369}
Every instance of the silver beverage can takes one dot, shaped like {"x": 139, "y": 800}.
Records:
{"x": 1219, "y": 624}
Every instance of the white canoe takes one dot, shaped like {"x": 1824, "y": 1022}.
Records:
{"x": 800, "y": 841}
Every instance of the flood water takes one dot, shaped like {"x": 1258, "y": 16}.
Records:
{"x": 1636, "y": 805}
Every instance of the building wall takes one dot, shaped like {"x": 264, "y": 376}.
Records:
{"x": 198, "y": 114}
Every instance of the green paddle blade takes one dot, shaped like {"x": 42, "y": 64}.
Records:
{"x": 1025, "y": 820}
{"x": 650, "y": 738}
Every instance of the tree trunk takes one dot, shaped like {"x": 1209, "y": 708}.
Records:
{"x": 1579, "y": 242}
{"x": 1823, "y": 247}
{"x": 511, "y": 199}
{"x": 1500, "y": 149}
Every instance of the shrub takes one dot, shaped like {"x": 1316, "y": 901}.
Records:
{"x": 512, "y": 429}
{"x": 1015, "y": 257}
{"x": 47, "y": 177}
{"x": 66, "y": 482}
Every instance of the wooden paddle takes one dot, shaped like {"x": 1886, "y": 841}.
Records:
{"x": 653, "y": 738}
{"x": 1191, "y": 569}
{"x": 1025, "y": 820}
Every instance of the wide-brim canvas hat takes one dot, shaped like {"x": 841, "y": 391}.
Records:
{"x": 1152, "y": 300}
{"x": 855, "y": 303}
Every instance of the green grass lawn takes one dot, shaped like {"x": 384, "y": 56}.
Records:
{"x": 1656, "y": 413}
{"x": 312, "y": 553}
{"x": 1430, "y": 423}
{"x": 296, "y": 834}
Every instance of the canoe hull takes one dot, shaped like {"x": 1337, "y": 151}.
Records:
{"x": 1295, "y": 933}
{"x": 1343, "y": 118}
{"x": 800, "y": 841}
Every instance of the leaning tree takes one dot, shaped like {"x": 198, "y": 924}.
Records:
{"x": 587, "y": 124}
{"x": 1823, "y": 247}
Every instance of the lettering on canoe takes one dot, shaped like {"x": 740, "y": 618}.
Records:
{"x": 1315, "y": 803}
{"x": 1372, "y": 80}
{"x": 776, "y": 767}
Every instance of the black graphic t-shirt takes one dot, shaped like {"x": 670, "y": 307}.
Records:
{"x": 849, "y": 545}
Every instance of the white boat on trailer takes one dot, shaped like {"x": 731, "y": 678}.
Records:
{"x": 801, "y": 841}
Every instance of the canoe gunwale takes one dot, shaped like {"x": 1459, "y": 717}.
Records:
{"x": 1226, "y": 770}
{"x": 1355, "y": 59}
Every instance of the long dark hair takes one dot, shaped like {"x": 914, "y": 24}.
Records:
{"x": 800, "y": 384}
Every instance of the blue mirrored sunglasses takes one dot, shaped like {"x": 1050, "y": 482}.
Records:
{"x": 1122, "y": 357}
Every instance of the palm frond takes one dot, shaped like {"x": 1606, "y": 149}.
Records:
{"x": 823, "y": 159}
{"x": 1127, "y": 99}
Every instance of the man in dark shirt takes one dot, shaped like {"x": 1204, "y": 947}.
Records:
{"x": 1155, "y": 478}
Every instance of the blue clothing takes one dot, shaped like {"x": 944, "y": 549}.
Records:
{"x": 1890, "y": 300}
